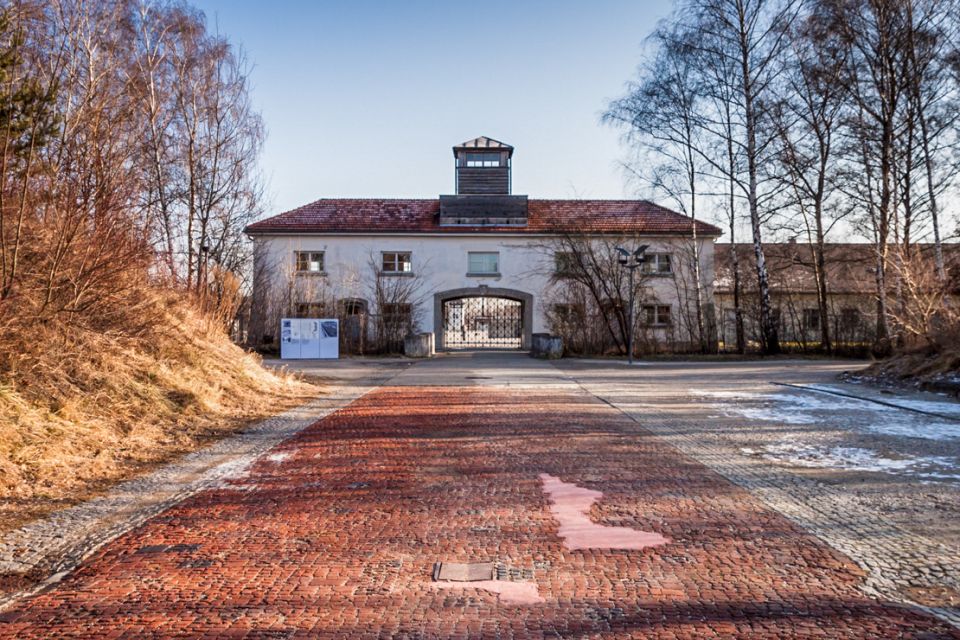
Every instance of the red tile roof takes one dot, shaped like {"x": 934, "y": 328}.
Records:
{"x": 421, "y": 216}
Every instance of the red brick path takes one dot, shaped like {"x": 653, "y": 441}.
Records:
{"x": 339, "y": 540}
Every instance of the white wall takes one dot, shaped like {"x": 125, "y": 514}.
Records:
{"x": 439, "y": 262}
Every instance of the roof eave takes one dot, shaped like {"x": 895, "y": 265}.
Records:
{"x": 454, "y": 230}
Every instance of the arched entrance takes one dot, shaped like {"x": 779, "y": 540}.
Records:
{"x": 483, "y": 318}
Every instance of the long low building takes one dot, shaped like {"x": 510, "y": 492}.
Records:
{"x": 480, "y": 268}
{"x": 850, "y": 274}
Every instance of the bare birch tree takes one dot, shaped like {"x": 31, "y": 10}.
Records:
{"x": 746, "y": 39}
{"x": 661, "y": 112}
{"x": 808, "y": 122}
{"x": 873, "y": 31}
{"x": 931, "y": 43}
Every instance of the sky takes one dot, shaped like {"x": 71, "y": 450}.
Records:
{"x": 365, "y": 98}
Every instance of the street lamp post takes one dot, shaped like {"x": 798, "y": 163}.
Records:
{"x": 631, "y": 260}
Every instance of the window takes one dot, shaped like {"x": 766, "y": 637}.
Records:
{"x": 310, "y": 261}
{"x": 849, "y": 318}
{"x": 568, "y": 312}
{"x": 656, "y": 315}
{"x": 396, "y": 314}
{"x": 483, "y": 159}
{"x": 657, "y": 263}
{"x": 353, "y": 306}
{"x": 565, "y": 263}
{"x": 483, "y": 263}
{"x": 811, "y": 319}
{"x": 311, "y": 310}
{"x": 397, "y": 262}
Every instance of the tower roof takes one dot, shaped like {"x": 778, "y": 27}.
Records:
{"x": 483, "y": 142}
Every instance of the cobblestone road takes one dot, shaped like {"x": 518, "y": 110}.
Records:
{"x": 885, "y": 522}
{"x": 336, "y": 532}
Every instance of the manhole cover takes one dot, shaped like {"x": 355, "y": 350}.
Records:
{"x": 463, "y": 571}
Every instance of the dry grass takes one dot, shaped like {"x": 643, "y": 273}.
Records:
{"x": 932, "y": 363}
{"x": 918, "y": 365}
{"x": 82, "y": 409}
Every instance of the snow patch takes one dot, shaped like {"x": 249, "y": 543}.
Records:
{"x": 797, "y": 407}
{"x": 943, "y": 408}
{"x": 858, "y": 459}
{"x": 277, "y": 458}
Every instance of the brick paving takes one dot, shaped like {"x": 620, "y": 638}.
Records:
{"x": 336, "y": 535}
{"x": 43, "y": 550}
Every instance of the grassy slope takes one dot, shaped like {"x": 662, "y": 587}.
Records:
{"x": 93, "y": 409}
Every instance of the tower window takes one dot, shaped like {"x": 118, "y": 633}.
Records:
{"x": 483, "y": 159}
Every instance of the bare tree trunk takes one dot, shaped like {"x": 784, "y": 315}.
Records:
{"x": 771, "y": 341}
{"x": 916, "y": 79}
{"x": 697, "y": 278}
{"x": 734, "y": 254}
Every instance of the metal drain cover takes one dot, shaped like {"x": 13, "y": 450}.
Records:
{"x": 463, "y": 571}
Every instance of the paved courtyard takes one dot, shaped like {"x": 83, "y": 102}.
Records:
{"x": 610, "y": 502}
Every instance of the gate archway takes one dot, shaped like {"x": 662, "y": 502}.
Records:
{"x": 483, "y": 318}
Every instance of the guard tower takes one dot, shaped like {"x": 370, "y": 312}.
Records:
{"x": 483, "y": 167}
{"x": 483, "y": 187}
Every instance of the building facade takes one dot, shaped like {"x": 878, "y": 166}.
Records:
{"x": 851, "y": 291}
{"x": 481, "y": 268}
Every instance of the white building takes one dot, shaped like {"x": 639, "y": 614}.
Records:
{"x": 478, "y": 268}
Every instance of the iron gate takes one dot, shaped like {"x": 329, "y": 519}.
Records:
{"x": 482, "y": 323}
